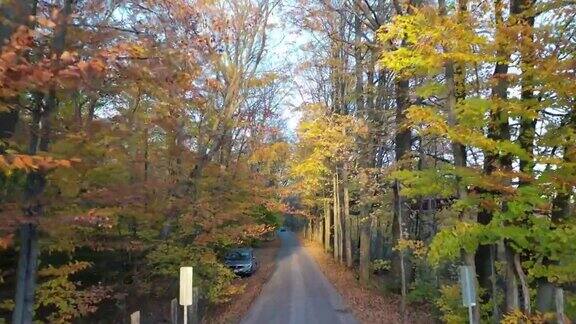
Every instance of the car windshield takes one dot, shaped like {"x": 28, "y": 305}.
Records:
{"x": 238, "y": 256}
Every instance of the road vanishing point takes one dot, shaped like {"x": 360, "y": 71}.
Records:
{"x": 298, "y": 292}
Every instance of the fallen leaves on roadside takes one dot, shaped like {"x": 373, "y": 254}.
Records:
{"x": 368, "y": 305}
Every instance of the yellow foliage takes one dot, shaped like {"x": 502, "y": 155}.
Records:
{"x": 29, "y": 163}
{"x": 323, "y": 141}
{"x": 417, "y": 247}
{"x": 450, "y": 305}
{"x": 518, "y": 316}
{"x": 262, "y": 81}
{"x": 268, "y": 154}
{"x": 428, "y": 41}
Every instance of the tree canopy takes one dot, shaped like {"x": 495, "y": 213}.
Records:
{"x": 140, "y": 136}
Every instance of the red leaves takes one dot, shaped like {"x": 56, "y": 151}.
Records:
{"x": 214, "y": 85}
{"x": 19, "y": 73}
{"x": 94, "y": 220}
{"x": 93, "y": 67}
{"x": 6, "y": 241}
{"x": 9, "y": 58}
{"x": 41, "y": 76}
{"x": 21, "y": 39}
{"x": 69, "y": 298}
{"x": 124, "y": 195}
{"x": 89, "y": 299}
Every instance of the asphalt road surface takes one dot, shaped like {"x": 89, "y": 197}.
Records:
{"x": 298, "y": 292}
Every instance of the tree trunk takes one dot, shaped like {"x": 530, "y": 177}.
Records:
{"x": 527, "y": 132}
{"x": 401, "y": 256}
{"x": 365, "y": 241}
{"x": 336, "y": 210}
{"x": 35, "y": 183}
{"x": 327, "y": 225}
{"x": 560, "y": 212}
{"x": 77, "y": 120}
{"x": 402, "y": 147}
{"x": 318, "y": 231}
{"x": 455, "y": 81}
{"x": 337, "y": 219}
{"x": 498, "y": 129}
{"x": 57, "y": 50}
{"x": 26, "y": 276}
{"x": 511, "y": 283}
{"x": 28, "y": 253}
{"x": 359, "y": 94}
{"x": 340, "y": 222}
{"x": 347, "y": 220}
{"x": 366, "y": 161}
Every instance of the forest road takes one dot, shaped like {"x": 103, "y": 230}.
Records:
{"x": 298, "y": 292}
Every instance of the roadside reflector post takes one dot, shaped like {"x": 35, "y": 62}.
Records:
{"x": 135, "y": 318}
{"x": 186, "y": 292}
{"x": 468, "y": 287}
{"x": 560, "y": 317}
{"x": 174, "y": 311}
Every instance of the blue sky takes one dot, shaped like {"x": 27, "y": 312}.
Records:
{"x": 285, "y": 49}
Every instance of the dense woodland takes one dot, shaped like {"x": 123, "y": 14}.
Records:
{"x": 139, "y": 136}
{"x": 442, "y": 134}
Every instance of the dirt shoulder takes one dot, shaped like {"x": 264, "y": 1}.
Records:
{"x": 367, "y": 304}
{"x": 233, "y": 311}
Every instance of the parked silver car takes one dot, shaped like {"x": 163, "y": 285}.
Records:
{"x": 242, "y": 261}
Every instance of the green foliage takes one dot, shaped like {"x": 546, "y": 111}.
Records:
{"x": 570, "y": 305}
{"x": 424, "y": 288}
{"x": 107, "y": 175}
{"x": 430, "y": 89}
{"x": 450, "y": 305}
{"x": 64, "y": 296}
{"x": 426, "y": 183}
{"x": 7, "y": 304}
{"x": 471, "y": 112}
{"x": 210, "y": 275}
{"x": 263, "y": 215}
{"x": 380, "y": 265}
{"x": 11, "y": 183}
{"x": 422, "y": 291}
{"x": 449, "y": 242}
{"x": 67, "y": 181}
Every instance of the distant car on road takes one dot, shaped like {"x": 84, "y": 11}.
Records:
{"x": 282, "y": 229}
{"x": 242, "y": 261}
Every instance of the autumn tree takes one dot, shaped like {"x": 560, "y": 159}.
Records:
{"x": 135, "y": 133}
{"x": 461, "y": 124}
{"x": 499, "y": 184}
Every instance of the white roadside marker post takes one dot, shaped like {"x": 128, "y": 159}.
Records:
{"x": 468, "y": 286}
{"x": 135, "y": 318}
{"x": 186, "y": 294}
